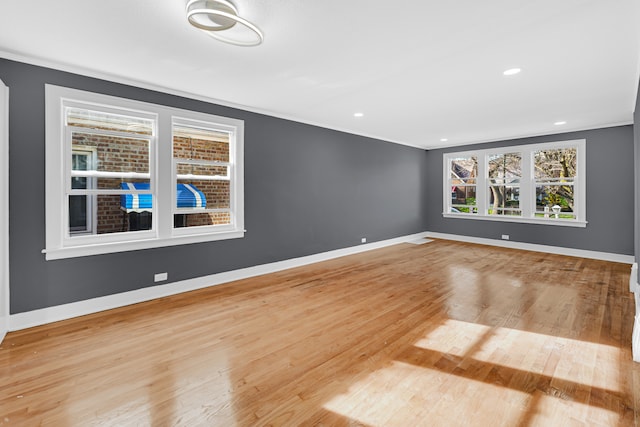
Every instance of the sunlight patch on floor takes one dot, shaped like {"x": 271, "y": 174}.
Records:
{"x": 500, "y": 346}
{"x": 426, "y": 395}
{"x": 454, "y": 337}
{"x": 427, "y": 379}
{"x": 546, "y": 409}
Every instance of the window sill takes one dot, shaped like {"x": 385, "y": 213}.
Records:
{"x": 134, "y": 245}
{"x": 541, "y": 221}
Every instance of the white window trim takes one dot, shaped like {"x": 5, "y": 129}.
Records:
{"x": 527, "y": 184}
{"x": 60, "y": 245}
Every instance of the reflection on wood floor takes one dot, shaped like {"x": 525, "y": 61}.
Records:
{"x": 441, "y": 334}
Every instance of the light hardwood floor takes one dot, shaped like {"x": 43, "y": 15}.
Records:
{"x": 440, "y": 334}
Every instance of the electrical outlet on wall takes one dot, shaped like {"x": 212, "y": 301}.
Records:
{"x": 160, "y": 277}
{"x": 505, "y": 237}
{"x": 363, "y": 240}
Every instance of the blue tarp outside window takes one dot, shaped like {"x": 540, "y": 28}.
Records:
{"x": 188, "y": 197}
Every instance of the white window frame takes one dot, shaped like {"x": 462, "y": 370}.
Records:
{"x": 448, "y": 184}
{"x": 487, "y": 182}
{"x": 61, "y": 244}
{"x": 231, "y": 176}
{"x": 527, "y": 184}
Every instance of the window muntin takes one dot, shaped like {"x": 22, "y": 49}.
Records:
{"x": 538, "y": 183}
{"x": 111, "y": 169}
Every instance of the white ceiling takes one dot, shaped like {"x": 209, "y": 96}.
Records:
{"x": 420, "y": 71}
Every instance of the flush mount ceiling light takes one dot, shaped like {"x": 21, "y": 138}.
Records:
{"x": 220, "y": 20}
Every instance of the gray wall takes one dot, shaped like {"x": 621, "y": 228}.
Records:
{"x": 307, "y": 190}
{"x": 609, "y": 187}
{"x": 636, "y": 146}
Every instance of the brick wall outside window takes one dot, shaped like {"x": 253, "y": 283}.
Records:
{"x": 118, "y": 154}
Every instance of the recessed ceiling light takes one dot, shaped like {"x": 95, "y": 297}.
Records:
{"x": 443, "y": 139}
{"x": 511, "y": 71}
{"x": 358, "y": 114}
{"x": 560, "y": 123}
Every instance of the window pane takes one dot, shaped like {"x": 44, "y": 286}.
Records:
{"x": 84, "y": 118}
{"x": 113, "y": 153}
{"x": 78, "y": 208}
{"x": 504, "y": 200}
{"x": 557, "y": 163}
{"x": 463, "y": 198}
{"x": 201, "y": 219}
{"x": 464, "y": 168}
{"x": 555, "y": 199}
{"x": 114, "y": 217}
{"x": 110, "y": 163}
{"x": 200, "y": 144}
{"x": 80, "y": 162}
{"x": 505, "y": 168}
{"x": 78, "y": 213}
{"x": 111, "y": 214}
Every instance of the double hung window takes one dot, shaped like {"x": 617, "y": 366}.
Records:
{"x": 125, "y": 175}
{"x": 504, "y": 173}
{"x": 463, "y": 175}
{"x": 555, "y": 180}
{"x": 540, "y": 183}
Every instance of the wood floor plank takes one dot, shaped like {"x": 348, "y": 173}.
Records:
{"x": 440, "y": 334}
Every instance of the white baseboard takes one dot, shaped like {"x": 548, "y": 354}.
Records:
{"x": 581, "y": 253}
{"x": 75, "y": 309}
{"x": 67, "y": 311}
{"x": 633, "y": 278}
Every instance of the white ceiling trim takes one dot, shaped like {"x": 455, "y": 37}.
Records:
{"x": 534, "y": 135}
